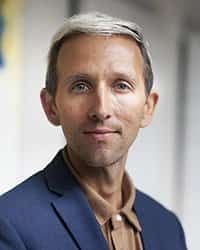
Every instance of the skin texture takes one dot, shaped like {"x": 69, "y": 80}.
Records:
{"x": 101, "y": 105}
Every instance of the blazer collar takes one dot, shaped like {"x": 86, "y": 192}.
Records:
{"x": 73, "y": 207}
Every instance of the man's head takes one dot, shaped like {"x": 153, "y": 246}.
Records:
{"x": 99, "y": 88}
{"x": 96, "y": 24}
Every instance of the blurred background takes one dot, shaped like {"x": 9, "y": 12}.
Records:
{"x": 164, "y": 160}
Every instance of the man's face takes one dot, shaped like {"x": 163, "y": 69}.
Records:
{"x": 100, "y": 100}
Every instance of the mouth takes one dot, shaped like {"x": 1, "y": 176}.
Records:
{"x": 101, "y": 134}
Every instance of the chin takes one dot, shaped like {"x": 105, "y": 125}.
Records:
{"x": 100, "y": 164}
{"x": 101, "y": 160}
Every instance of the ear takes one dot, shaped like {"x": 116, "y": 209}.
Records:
{"x": 149, "y": 109}
{"x": 49, "y": 107}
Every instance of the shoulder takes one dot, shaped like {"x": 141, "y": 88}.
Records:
{"x": 153, "y": 214}
{"x": 36, "y": 192}
{"x": 148, "y": 205}
{"x": 29, "y": 194}
{"x": 19, "y": 209}
{"x": 24, "y": 193}
{"x": 32, "y": 190}
{"x": 147, "y": 202}
{"x": 25, "y": 209}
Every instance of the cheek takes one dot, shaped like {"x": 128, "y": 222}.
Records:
{"x": 70, "y": 116}
{"x": 129, "y": 110}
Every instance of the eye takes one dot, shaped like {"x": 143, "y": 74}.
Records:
{"x": 80, "y": 87}
{"x": 122, "y": 86}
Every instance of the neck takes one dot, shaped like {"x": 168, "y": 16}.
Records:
{"x": 106, "y": 181}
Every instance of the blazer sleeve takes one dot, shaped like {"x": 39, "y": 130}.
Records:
{"x": 181, "y": 235}
{"x": 9, "y": 238}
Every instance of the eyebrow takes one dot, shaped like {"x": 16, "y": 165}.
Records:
{"x": 118, "y": 75}
{"x": 77, "y": 76}
{"x": 125, "y": 76}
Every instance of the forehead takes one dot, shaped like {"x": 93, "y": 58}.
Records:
{"x": 119, "y": 51}
{"x": 94, "y": 41}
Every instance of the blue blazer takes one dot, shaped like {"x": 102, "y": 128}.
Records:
{"x": 49, "y": 211}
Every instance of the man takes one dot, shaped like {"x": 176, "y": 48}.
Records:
{"x": 99, "y": 89}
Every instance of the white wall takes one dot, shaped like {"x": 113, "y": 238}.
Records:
{"x": 28, "y": 141}
{"x": 39, "y": 140}
{"x": 10, "y": 105}
{"x": 191, "y": 203}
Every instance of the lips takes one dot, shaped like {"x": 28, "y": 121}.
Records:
{"x": 100, "y": 134}
{"x": 100, "y": 131}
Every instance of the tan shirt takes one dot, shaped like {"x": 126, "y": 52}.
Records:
{"x": 121, "y": 228}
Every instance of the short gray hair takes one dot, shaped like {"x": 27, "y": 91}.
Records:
{"x": 99, "y": 24}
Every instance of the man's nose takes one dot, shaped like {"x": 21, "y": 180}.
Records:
{"x": 101, "y": 105}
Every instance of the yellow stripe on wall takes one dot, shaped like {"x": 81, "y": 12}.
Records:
{"x": 12, "y": 37}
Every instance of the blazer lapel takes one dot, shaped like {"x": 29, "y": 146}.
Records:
{"x": 73, "y": 207}
{"x": 146, "y": 222}
{"x": 78, "y": 217}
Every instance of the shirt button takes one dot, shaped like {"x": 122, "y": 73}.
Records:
{"x": 118, "y": 217}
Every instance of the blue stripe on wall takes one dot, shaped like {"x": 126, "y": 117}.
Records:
{"x": 2, "y": 26}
